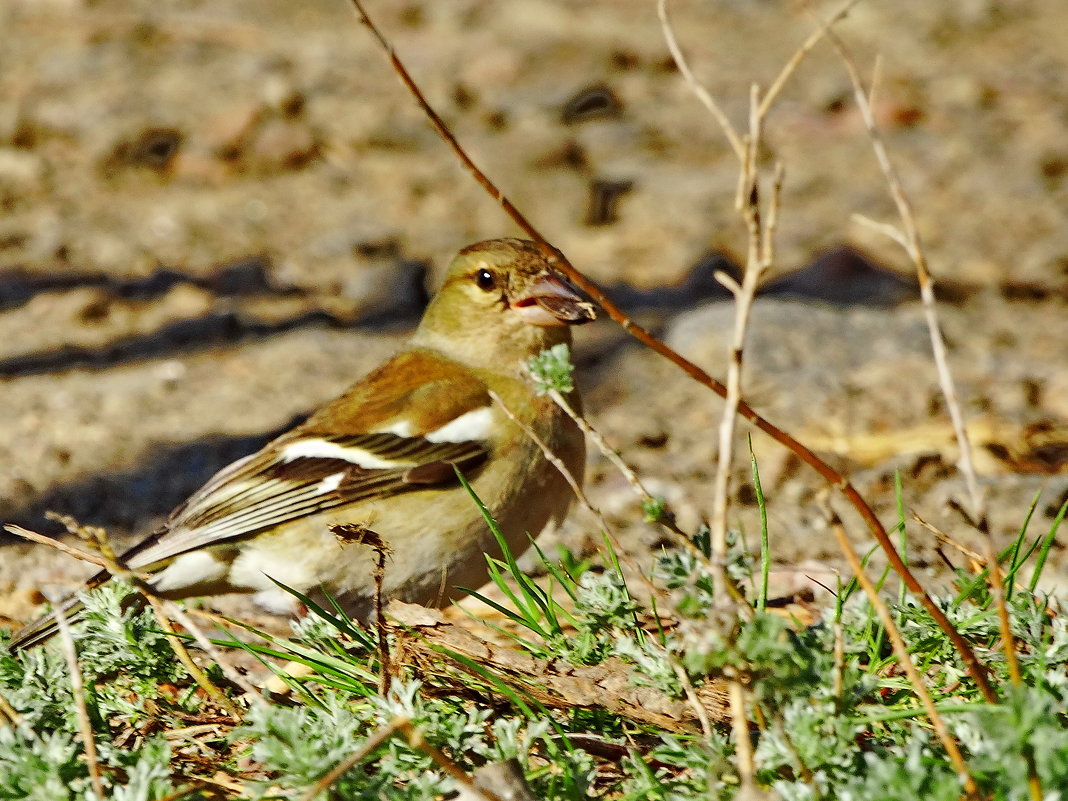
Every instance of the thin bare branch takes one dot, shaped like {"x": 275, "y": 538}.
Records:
{"x": 698, "y": 89}
{"x": 799, "y": 55}
{"x": 886, "y": 229}
{"x": 913, "y": 245}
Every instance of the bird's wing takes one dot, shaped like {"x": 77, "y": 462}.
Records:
{"x": 422, "y": 424}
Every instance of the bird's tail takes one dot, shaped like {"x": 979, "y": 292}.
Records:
{"x": 45, "y": 626}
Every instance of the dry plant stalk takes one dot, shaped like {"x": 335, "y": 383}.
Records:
{"x": 51, "y": 542}
{"x": 375, "y": 739}
{"x": 10, "y": 714}
{"x": 556, "y": 462}
{"x": 759, "y": 259}
{"x": 416, "y": 740}
{"x": 356, "y": 534}
{"x": 667, "y": 520}
{"x": 977, "y": 561}
{"x": 901, "y": 651}
{"x": 77, "y": 687}
{"x": 176, "y": 612}
{"x": 576, "y": 488}
{"x": 837, "y": 481}
{"x": 910, "y": 240}
{"x": 691, "y": 696}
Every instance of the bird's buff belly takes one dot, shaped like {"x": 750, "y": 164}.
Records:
{"x": 437, "y": 545}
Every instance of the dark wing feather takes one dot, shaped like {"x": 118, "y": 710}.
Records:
{"x": 265, "y": 490}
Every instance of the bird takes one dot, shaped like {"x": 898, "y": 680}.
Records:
{"x": 383, "y": 458}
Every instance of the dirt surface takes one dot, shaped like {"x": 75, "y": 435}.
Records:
{"x": 216, "y": 216}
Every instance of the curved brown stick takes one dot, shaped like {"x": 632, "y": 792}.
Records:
{"x": 975, "y": 668}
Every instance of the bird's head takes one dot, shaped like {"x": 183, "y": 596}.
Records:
{"x": 500, "y": 303}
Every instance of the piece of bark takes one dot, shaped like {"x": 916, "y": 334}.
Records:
{"x": 423, "y": 638}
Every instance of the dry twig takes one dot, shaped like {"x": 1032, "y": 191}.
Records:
{"x": 910, "y": 240}
{"x": 375, "y": 739}
{"x": 901, "y": 651}
{"x": 176, "y": 612}
{"x": 77, "y": 687}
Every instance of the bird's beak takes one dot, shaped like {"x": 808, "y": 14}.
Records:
{"x": 551, "y": 300}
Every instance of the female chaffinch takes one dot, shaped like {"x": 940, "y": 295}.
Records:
{"x": 381, "y": 457}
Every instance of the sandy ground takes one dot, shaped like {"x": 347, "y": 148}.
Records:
{"x": 216, "y": 216}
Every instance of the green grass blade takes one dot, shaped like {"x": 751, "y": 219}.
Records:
{"x": 903, "y": 541}
{"x": 1047, "y": 543}
{"x": 765, "y": 550}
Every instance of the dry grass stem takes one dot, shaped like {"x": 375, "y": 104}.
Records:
{"x": 375, "y": 739}
{"x": 62, "y": 547}
{"x": 667, "y": 520}
{"x": 997, "y": 589}
{"x": 555, "y": 460}
{"x": 914, "y": 247}
{"x": 975, "y": 668}
{"x": 901, "y": 651}
{"x": 978, "y": 561}
{"x": 180, "y": 651}
{"x": 77, "y": 687}
{"x": 609, "y": 453}
{"x": 97, "y": 538}
{"x": 175, "y": 612}
{"x": 691, "y": 696}
{"x": 105, "y": 557}
{"x": 416, "y": 740}
{"x": 743, "y": 746}
{"x": 839, "y": 657}
{"x": 9, "y": 712}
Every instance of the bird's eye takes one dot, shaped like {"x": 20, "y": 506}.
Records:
{"x": 485, "y": 280}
